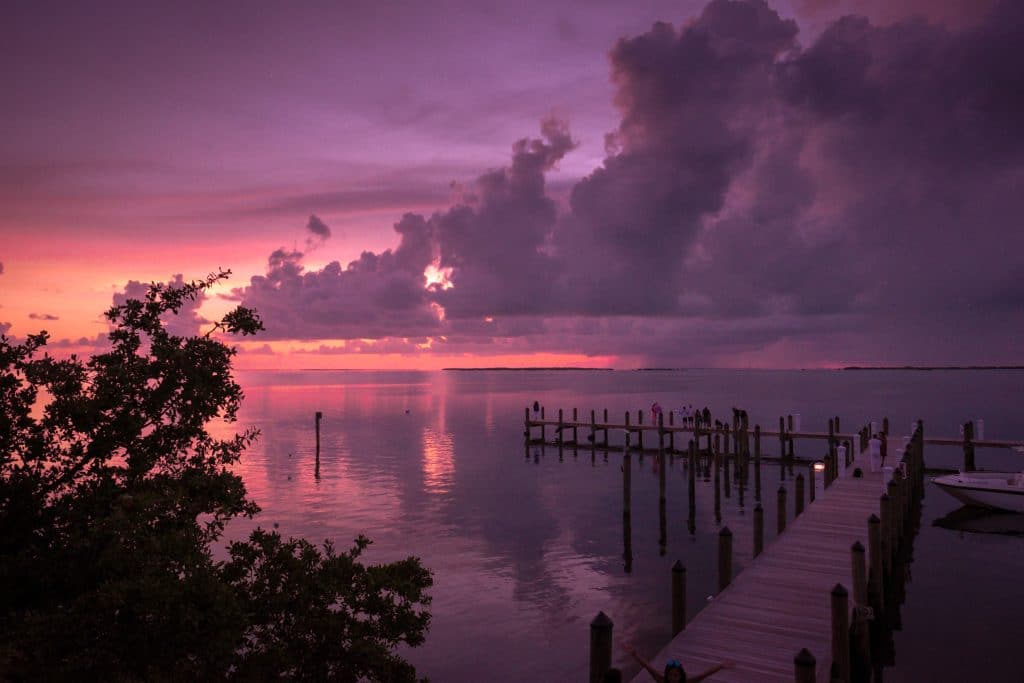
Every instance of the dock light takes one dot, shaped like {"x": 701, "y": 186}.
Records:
{"x": 819, "y": 466}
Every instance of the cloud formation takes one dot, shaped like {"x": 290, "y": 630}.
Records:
{"x": 42, "y": 316}
{"x": 757, "y": 194}
{"x": 188, "y": 322}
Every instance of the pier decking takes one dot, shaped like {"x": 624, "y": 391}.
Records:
{"x": 787, "y": 616}
{"x": 780, "y": 603}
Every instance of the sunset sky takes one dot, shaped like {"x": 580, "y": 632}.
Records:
{"x": 794, "y": 183}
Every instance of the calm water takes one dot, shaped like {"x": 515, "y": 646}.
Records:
{"x": 526, "y": 546}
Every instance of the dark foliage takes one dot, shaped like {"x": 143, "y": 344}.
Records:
{"x": 113, "y": 490}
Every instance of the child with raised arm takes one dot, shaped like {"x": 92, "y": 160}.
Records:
{"x": 674, "y": 672}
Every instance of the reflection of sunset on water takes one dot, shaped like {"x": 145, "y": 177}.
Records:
{"x": 438, "y": 465}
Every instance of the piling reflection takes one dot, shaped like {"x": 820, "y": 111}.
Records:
{"x": 627, "y": 512}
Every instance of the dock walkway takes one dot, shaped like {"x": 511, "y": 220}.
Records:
{"x": 780, "y": 603}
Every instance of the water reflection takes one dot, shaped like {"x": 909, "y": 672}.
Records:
{"x": 980, "y": 520}
{"x": 438, "y": 461}
{"x": 525, "y": 549}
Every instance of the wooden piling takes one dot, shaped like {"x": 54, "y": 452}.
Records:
{"x": 810, "y": 483}
{"x": 758, "y": 530}
{"x": 757, "y": 445}
{"x": 558, "y": 432}
{"x": 969, "y": 447}
{"x": 724, "y": 558}
{"x": 805, "y": 667}
{"x": 672, "y": 433}
{"x": 859, "y": 572}
{"x": 875, "y": 562}
{"x": 543, "y": 427}
{"x": 780, "y": 525}
{"x": 600, "y": 647}
{"x": 894, "y": 517}
{"x": 885, "y": 517}
{"x": 575, "y": 435}
{"x": 841, "y": 632}
{"x": 316, "y": 471}
{"x": 799, "y": 502}
{"x": 678, "y": 598}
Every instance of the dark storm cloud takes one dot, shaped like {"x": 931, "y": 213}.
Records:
{"x": 317, "y": 227}
{"x": 495, "y": 241}
{"x": 756, "y": 194}
{"x": 377, "y": 295}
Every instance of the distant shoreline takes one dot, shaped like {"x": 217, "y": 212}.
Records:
{"x": 936, "y": 367}
{"x": 508, "y": 369}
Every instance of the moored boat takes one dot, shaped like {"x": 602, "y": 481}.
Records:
{"x": 997, "y": 490}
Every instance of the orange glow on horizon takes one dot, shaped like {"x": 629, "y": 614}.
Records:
{"x": 286, "y": 355}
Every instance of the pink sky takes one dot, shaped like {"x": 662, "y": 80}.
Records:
{"x": 748, "y": 184}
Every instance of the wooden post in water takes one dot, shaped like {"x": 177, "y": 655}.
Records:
{"x": 561, "y": 426}
{"x": 691, "y": 488}
{"x": 661, "y": 434}
{"x": 841, "y": 632}
{"x": 805, "y": 667}
{"x": 810, "y": 482}
{"x": 885, "y": 426}
{"x": 782, "y": 437}
{"x": 627, "y": 510}
{"x": 758, "y": 529}
{"x": 606, "y": 432}
{"x": 671, "y": 434}
{"x": 757, "y": 463}
{"x": 799, "y": 502}
{"x": 885, "y": 518}
{"x": 724, "y": 558}
{"x": 969, "y": 446}
{"x": 831, "y": 436}
{"x": 575, "y": 435}
{"x": 600, "y": 647}
{"x": 859, "y": 572}
{"x": 316, "y": 471}
{"x": 593, "y": 431}
{"x": 526, "y": 425}
{"x": 640, "y": 433}
{"x": 780, "y": 520}
{"x": 678, "y": 598}
{"x": 543, "y": 427}
{"x": 894, "y": 518}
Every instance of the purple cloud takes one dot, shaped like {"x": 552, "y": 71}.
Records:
{"x": 42, "y": 316}
{"x": 862, "y": 192}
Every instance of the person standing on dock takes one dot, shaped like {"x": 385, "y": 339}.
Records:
{"x": 674, "y": 671}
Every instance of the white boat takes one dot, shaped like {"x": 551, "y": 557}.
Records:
{"x": 997, "y": 490}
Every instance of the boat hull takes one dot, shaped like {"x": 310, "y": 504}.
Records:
{"x": 995, "y": 490}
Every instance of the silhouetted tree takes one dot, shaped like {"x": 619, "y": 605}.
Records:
{"x": 112, "y": 492}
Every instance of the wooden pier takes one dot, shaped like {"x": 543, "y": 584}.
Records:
{"x": 804, "y": 608}
{"x": 782, "y": 603}
{"x": 820, "y": 602}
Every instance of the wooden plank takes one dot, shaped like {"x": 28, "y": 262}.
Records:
{"x": 780, "y": 603}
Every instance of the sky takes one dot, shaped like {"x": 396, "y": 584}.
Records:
{"x": 734, "y": 183}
